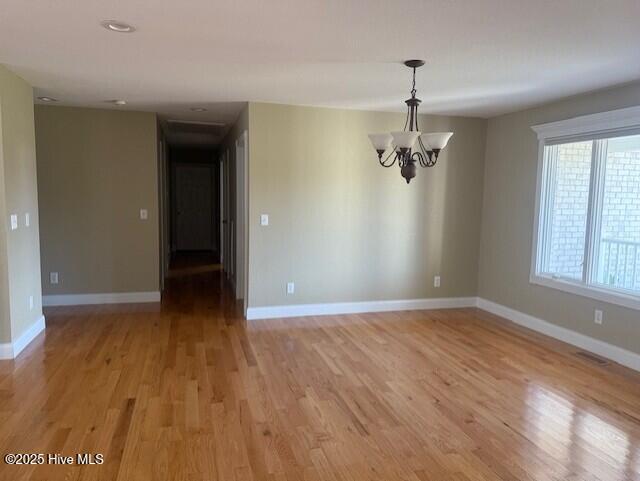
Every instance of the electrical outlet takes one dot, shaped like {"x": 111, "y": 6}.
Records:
{"x": 291, "y": 288}
{"x": 597, "y": 316}
{"x": 144, "y": 214}
{"x": 53, "y": 277}
{"x": 436, "y": 281}
{"x": 264, "y": 219}
{"x": 14, "y": 221}
{"x": 31, "y": 303}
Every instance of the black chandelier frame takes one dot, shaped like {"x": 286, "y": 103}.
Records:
{"x": 405, "y": 157}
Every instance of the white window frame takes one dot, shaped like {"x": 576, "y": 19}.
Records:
{"x": 587, "y": 127}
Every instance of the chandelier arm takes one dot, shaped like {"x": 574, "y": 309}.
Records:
{"x": 406, "y": 122}
{"x": 421, "y": 158}
{"x": 429, "y": 158}
{"x": 384, "y": 163}
{"x": 418, "y": 129}
{"x": 422, "y": 148}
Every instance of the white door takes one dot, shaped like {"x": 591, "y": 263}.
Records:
{"x": 194, "y": 206}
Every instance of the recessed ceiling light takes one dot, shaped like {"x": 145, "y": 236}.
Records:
{"x": 116, "y": 26}
{"x": 198, "y": 109}
{"x": 47, "y": 99}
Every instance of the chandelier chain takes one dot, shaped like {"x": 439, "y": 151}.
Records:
{"x": 413, "y": 88}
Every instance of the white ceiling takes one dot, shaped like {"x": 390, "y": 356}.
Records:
{"x": 484, "y": 57}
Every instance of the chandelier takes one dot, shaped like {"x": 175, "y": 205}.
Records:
{"x": 402, "y": 143}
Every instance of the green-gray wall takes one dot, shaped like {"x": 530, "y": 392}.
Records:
{"x": 97, "y": 169}
{"x": 508, "y": 218}
{"x": 345, "y": 229}
{"x": 19, "y": 249}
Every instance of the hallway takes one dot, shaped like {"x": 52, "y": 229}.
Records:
{"x": 186, "y": 390}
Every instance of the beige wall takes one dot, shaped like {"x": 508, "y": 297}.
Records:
{"x": 345, "y": 229}
{"x": 97, "y": 169}
{"x": 19, "y": 249}
{"x": 508, "y": 217}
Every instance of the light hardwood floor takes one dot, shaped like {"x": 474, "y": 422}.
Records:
{"x": 190, "y": 392}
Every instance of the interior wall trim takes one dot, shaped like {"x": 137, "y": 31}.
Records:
{"x": 104, "y": 298}
{"x": 300, "y": 310}
{"x": 609, "y": 351}
{"x": 610, "y": 121}
{"x": 10, "y": 350}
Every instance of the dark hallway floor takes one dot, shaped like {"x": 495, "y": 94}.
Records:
{"x": 193, "y": 262}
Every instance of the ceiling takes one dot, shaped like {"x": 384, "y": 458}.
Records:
{"x": 484, "y": 57}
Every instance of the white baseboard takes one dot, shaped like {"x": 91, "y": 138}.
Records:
{"x": 106, "y": 298}
{"x": 300, "y": 310}
{"x": 6, "y": 351}
{"x": 10, "y": 350}
{"x": 601, "y": 348}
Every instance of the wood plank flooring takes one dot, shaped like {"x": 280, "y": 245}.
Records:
{"x": 188, "y": 391}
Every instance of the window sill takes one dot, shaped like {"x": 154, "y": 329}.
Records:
{"x": 592, "y": 292}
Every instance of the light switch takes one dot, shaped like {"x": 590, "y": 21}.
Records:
{"x": 53, "y": 277}
{"x": 597, "y": 316}
{"x": 14, "y": 221}
{"x": 264, "y": 219}
{"x": 27, "y": 220}
{"x": 144, "y": 214}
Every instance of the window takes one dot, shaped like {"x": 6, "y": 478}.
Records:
{"x": 587, "y": 236}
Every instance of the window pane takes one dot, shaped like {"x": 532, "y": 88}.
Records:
{"x": 569, "y": 178}
{"x": 618, "y": 255}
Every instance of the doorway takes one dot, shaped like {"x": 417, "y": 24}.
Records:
{"x": 204, "y": 201}
{"x": 194, "y": 207}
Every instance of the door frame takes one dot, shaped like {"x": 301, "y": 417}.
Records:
{"x": 222, "y": 205}
{"x": 241, "y": 224}
{"x": 162, "y": 207}
{"x": 226, "y": 255}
